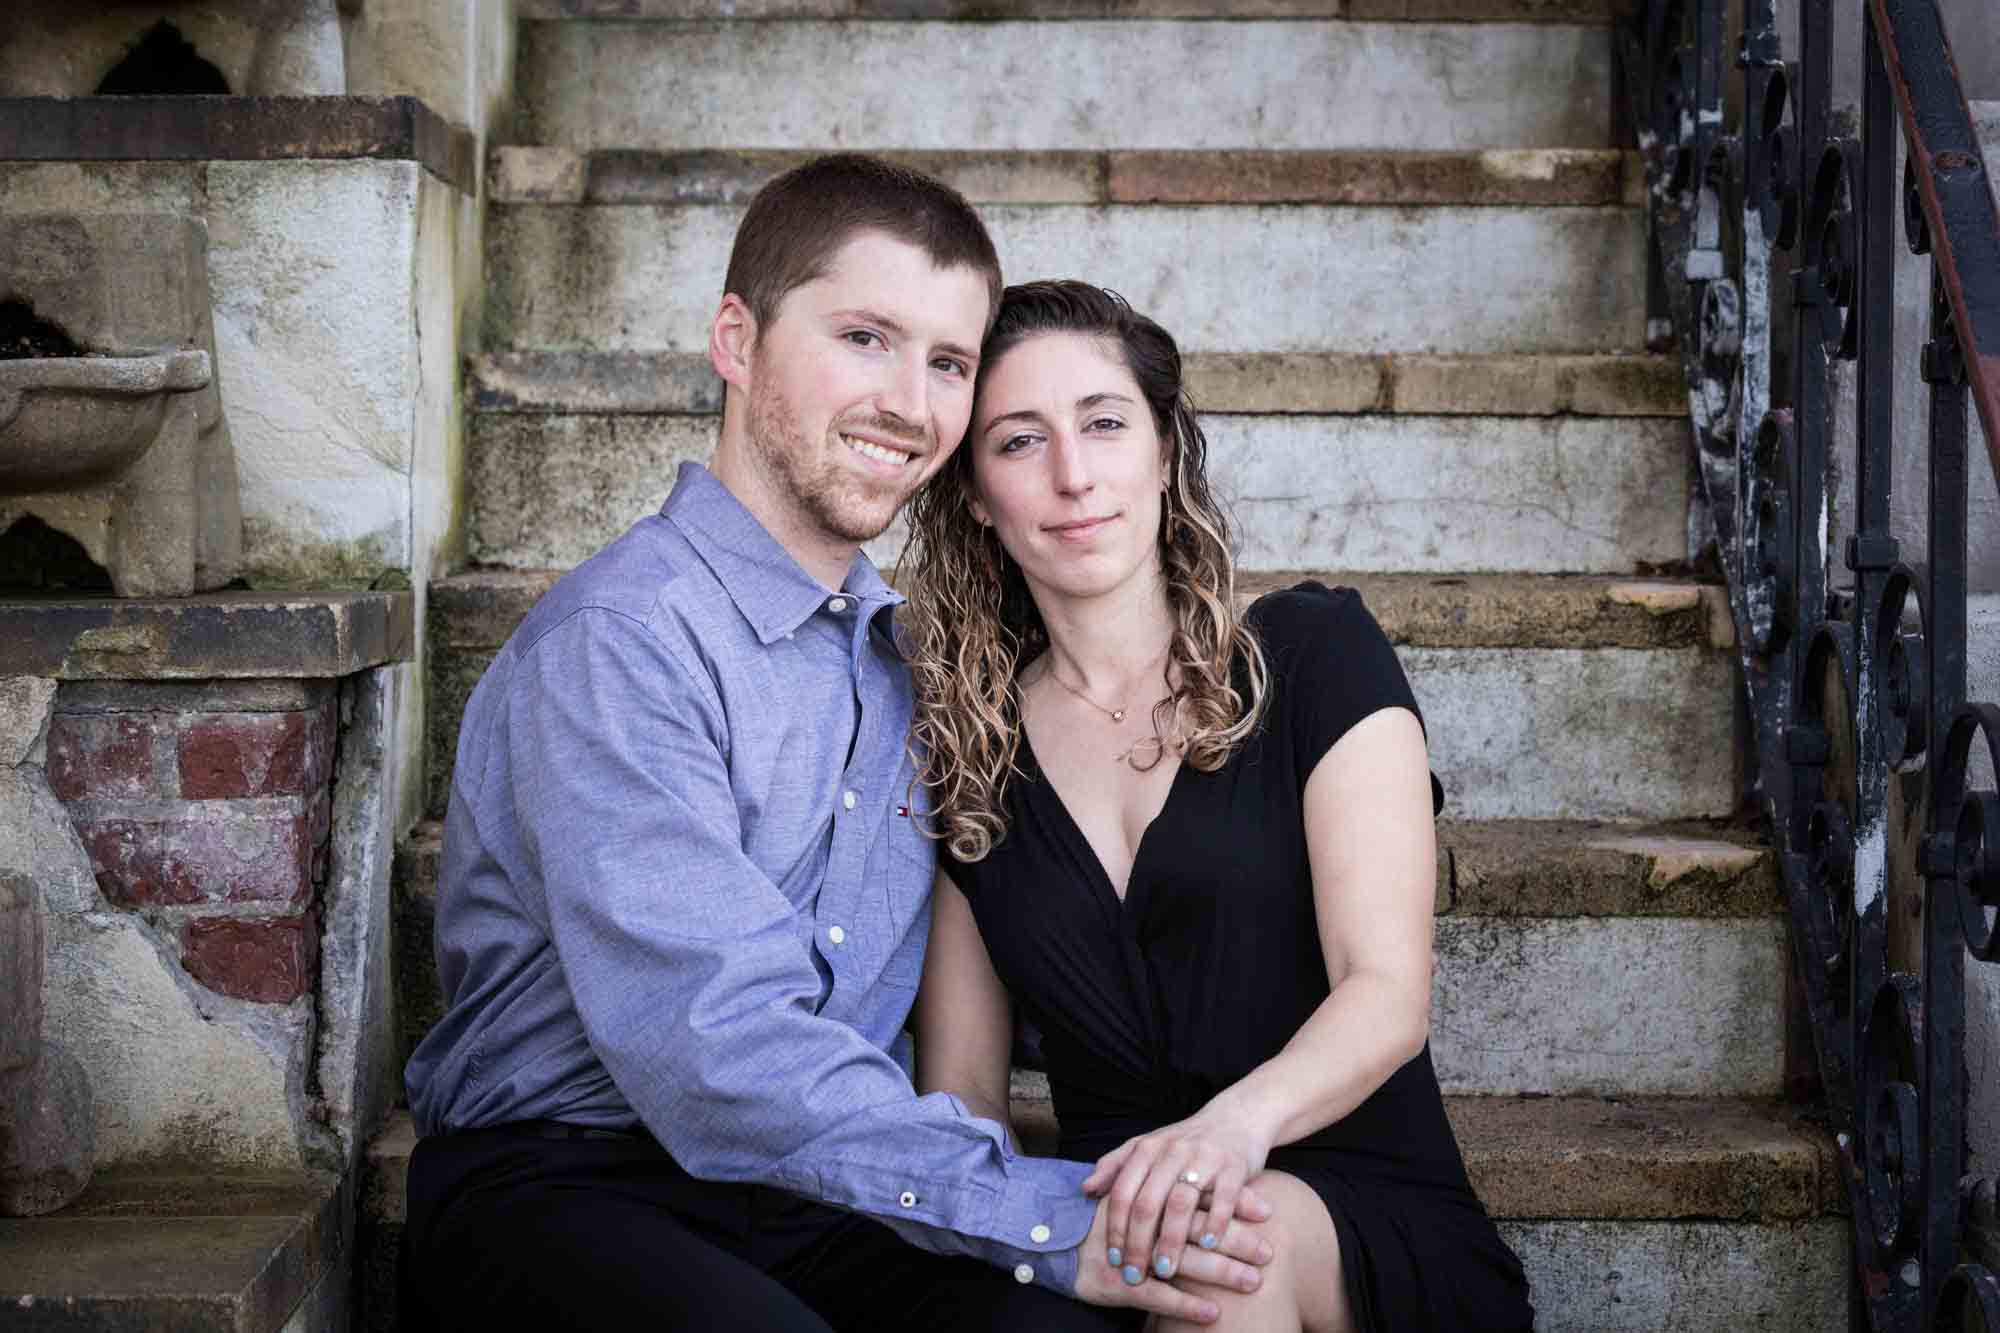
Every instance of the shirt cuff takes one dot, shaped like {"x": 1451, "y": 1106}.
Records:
{"x": 1044, "y": 1216}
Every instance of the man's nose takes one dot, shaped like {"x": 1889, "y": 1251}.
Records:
{"x": 907, "y": 392}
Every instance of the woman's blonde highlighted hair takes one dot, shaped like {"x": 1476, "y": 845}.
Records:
{"x": 971, "y": 625}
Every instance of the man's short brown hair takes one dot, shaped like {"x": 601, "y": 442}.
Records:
{"x": 799, "y": 220}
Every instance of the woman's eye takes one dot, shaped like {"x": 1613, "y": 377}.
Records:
{"x": 1015, "y": 443}
{"x": 1105, "y": 423}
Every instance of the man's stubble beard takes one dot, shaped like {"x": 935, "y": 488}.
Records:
{"x": 838, "y": 503}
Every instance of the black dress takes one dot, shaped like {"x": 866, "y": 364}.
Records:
{"x": 1149, "y": 1007}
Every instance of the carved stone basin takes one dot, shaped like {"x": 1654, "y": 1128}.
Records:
{"x": 70, "y": 422}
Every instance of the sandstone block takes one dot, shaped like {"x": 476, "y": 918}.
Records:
{"x": 24, "y": 718}
{"x": 48, "y": 1135}
{"x": 273, "y": 961}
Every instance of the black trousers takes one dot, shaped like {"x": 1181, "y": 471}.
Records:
{"x": 507, "y": 1229}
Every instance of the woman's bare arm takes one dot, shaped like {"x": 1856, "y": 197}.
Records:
{"x": 965, "y": 1022}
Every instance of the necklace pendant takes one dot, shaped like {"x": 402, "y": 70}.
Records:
{"x": 1118, "y": 716}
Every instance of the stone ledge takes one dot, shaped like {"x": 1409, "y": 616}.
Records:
{"x": 1540, "y": 1158}
{"x": 478, "y": 610}
{"x": 167, "y": 1249}
{"x": 214, "y": 635}
{"x": 1564, "y": 868}
{"x": 236, "y": 129}
{"x": 1441, "y": 11}
{"x": 1264, "y": 383}
{"x": 1545, "y": 177}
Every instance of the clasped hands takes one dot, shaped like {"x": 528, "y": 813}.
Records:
{"x": 1176, "y": 1214}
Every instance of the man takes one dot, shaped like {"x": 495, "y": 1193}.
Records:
{"x": 683, "y": 901}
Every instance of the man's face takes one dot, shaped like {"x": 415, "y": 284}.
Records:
{"x": 862, "y": 385}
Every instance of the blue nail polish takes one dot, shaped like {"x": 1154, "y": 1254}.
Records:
{"x": 1163, "y": 1266}
{"x": 1133, "y": 1277}
{"x": 1208, "y": 1240}
{"x": 1114, "y": 1256}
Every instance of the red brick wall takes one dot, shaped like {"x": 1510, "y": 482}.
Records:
{"x": 207, "y": 807}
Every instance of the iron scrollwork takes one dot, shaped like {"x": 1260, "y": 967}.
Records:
{"x": 1772, "y": 260}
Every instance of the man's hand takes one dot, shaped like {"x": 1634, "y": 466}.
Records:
{"x": 1235, "y": 1263}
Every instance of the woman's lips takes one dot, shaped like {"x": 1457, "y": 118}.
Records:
{"x": 1080, "y": 528}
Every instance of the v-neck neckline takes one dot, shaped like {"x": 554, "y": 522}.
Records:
{"x": 1119, "y": 902}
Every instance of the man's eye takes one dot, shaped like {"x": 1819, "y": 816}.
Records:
{"x": 950, "y": 365}
{"x": 863, "y": 337}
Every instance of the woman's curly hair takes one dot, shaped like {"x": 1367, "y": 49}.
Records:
{"x": 971, "y": 625}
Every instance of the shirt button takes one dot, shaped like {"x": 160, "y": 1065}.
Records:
{"x": 1023, "y": 1273}
{"x": 907, "y": 1199}
{"x": 836, "y": 934}
{"x": 847, "y": 799}
{"x": 837, "y": 605}
{"x": 1040, "y": 1235}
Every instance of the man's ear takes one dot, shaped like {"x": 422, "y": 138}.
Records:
{"x": 732, "y": 340}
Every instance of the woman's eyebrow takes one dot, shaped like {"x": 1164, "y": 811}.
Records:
{"x": 1026, "y": 415}
{"x": 1091, "y": 400}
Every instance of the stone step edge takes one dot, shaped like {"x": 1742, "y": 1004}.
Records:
{"x": 1530, "y": 1158}
{"x": 1591, "y": 12}
{"x": 525, "y": 174}
{"x": 152, "y": 1230}
{"x": 478, "y": 609}
{"x": 586, "y": 382}
{"x": 1518, "y": 869}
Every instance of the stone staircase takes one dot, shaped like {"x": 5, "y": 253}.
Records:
{"x": 1414, "y": 316}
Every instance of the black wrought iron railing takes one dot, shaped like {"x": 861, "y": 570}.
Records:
{"x": 1773, "y": 220}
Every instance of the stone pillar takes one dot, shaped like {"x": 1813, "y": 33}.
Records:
{"x": 48, "y": 1124}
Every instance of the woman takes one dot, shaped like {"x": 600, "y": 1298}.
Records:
{"x": 1195, "y": 846}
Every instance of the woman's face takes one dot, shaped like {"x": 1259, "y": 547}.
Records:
{"x": 1067, "y": 465}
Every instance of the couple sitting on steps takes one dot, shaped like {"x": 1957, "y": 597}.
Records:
{"x": 722, "y": 826}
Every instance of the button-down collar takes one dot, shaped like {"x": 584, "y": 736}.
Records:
{"x": 770, "y": 589}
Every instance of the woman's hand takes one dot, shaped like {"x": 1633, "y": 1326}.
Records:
{"x": 1236, "y": 1264}
{"x": 1150, "y": 1200}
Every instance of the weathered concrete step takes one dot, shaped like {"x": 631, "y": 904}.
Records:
{"x": 1372, "y": 492}
{"x": 1504, "y": 868}
{"x": 1320, "y": 84}
{"x": 1248, "y": 383}
{"x": 1423, "y": 11}
{"x": 1446, "y": 280}
{"x": 1555, "y": 177}
{"x": 1686, "y": 1005}
{"x": 474, "y": 612}
{"x": 1695, "y": 1216}
{"x": 1517, "y": 732}
{"x": 172, "y": 1249}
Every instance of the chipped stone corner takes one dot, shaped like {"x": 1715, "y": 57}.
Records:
{"x": 356, "y": 1054}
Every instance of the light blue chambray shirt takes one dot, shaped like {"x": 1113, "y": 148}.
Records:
{"x": 681, "y": 885}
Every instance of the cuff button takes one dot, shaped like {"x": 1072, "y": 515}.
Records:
{"x": 1040, "y": 1235}
{"x": 907, "y": 1199}
{"x": 1023, "y": 1273}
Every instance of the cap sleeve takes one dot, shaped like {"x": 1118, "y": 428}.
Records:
{"x": 1331, "y": 666}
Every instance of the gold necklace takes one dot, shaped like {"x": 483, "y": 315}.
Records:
{"x": 1154, "y": 745}
{"x": 1115, "y": 714}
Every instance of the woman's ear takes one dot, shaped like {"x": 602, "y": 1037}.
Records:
{"x": 732, "y": 341}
